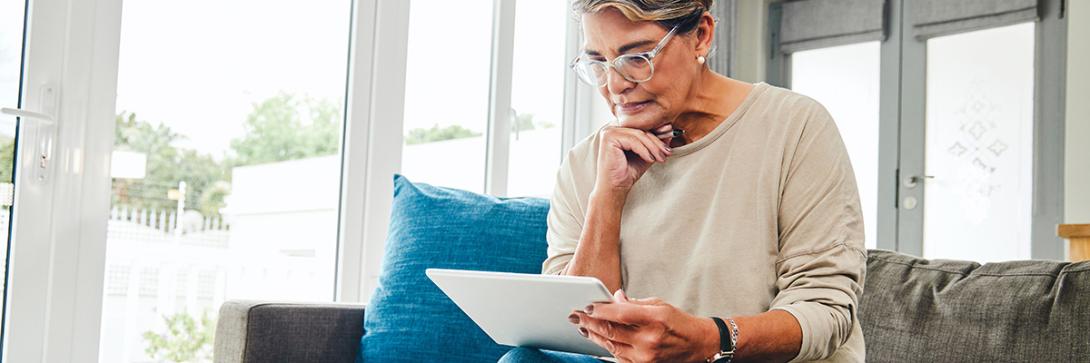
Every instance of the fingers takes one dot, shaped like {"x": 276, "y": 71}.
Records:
{"x": 656, "y": 147}
{"x": 613, "y": 331}
{"x": 618, "y": 349}
{"x": 630, "y": 313}
{"x": 637, "y": 147}
{"x": 639, "y": 142}
{"x": 619, "y": 296}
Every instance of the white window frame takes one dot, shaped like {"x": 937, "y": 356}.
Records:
{"x": 59, "y": 224}
{"x": 373, "y": 150}
{"x": 59, "y": 230}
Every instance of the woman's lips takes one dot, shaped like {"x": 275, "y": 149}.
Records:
{"x": 632, "y": 107}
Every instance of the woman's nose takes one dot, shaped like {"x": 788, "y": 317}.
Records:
{"x": 616, "y": 83}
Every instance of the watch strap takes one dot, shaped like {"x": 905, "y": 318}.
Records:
{"x": 726, "y": 342}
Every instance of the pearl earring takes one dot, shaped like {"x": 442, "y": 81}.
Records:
{"x": 700, "y": 59}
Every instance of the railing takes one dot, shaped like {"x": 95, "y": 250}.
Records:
{"x": 167, "y": 221}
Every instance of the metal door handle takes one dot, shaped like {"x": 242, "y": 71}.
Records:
{"x": 913, "y": 181}
{"x": 46, "y": 131}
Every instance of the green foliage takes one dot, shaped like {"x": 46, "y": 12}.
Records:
{"x": 523, "y": 122}
{"x": 435, "y": 133}
{"x": 278, "y": 129}
{"x": 167, "y": 165}
{"x": 285, "y": 128}
{"x": 7, "y": 158}
{"x": 186, "y": 339}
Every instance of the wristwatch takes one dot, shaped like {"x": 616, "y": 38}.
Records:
{"x": 727, "y": 339}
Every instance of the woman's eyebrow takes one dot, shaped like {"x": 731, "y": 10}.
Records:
{"x": 624, "y": 49}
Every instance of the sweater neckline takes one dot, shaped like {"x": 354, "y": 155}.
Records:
{"x": 758, "y": 89}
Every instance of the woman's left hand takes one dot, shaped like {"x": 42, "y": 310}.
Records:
{"x": 648, "y": 330}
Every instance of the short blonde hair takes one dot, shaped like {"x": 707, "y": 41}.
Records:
{"x": 681, "y": 13}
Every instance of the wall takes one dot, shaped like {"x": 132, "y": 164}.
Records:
{"x": 751, "y": 40}
{"x": 1077, "y": 144}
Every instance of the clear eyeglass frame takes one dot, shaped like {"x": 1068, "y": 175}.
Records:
{"x": 587, "y": 72}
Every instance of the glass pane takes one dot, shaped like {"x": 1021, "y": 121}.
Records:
{"x": 446, "y": 92}
{"x": 11, "y": 59}
{"x": 845, "y": 79}
{"x": 537, "y": 97}
{"x": 979, "y": 145}
{"x": 226, "y": 167}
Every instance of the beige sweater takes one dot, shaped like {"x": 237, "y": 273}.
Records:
{"x": 760, "y": 214}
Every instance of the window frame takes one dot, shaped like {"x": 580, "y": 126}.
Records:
{"x": 58, "y": 273}
{"x": 58, "y": 243}
{"x": 902, "y": 120}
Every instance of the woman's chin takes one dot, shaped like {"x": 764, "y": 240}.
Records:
{"x": 638, "y": 121}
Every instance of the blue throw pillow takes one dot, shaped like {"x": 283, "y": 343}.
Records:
{"x": 409, "y": 319}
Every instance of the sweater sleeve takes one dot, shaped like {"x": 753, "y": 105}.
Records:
{"x": 565, "y": 221}
{"x": 822, "y": 258}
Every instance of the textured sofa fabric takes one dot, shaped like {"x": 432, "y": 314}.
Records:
{"x": 255, "y": 331}
{"x": 912, "y": 310}
{"x": 955, "y": 311}
{"x": 409, "y": 319}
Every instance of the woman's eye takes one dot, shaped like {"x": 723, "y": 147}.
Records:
{"x": 634, "y": 61}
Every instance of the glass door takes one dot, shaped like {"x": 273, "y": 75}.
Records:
{"x": 978, "y": 145}
{"x": 980, "y": 136}
{"x": 226, "y": 167}
{"x": 12, "y": 22}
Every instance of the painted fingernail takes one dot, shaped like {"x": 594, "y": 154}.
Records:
{"x": 574, "y": 319}
{"x": 583, "y": 332}
{"x": 589, "y": 309}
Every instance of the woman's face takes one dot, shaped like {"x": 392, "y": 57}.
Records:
{"x": 649, "y": 104}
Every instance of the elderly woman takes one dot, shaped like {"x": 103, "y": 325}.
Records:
{"x": 723, "y": 214}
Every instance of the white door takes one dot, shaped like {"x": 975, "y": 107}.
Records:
{"x": 56, "y": 74}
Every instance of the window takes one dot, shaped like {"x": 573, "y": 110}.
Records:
{"x": 845, "y": 80}
{"x": 11, "y": 56}
{"x": 225, "y": 181}
{"x": 537, "y": 97}
{"x": 446, "y": 93}
{"x": 979, "y": 144}
{"x": 949, "y": 114}
{"x": 226, "y": 166}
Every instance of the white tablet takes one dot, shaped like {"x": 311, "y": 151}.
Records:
{"x": 525, "y": 310}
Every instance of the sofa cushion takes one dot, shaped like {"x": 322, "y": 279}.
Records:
{"x": 954, "y": 311}
{"x": 409, "y": 319}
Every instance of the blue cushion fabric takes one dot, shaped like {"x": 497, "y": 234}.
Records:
{"x": 409, "y": 319}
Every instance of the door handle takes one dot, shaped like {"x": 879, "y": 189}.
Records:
{"x": 913, "y": 181}
{"x": 45, "y": 129}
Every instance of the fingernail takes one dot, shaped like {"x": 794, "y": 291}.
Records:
{"x": 589, "y": 309}
{"x": 583, "y": 332}
{"x": 574, "y": 319}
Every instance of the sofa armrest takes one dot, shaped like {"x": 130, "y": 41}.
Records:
{"x": 263, "y": 331}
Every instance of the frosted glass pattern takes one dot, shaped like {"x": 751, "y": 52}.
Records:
{"x": 845, "y": 80}
{"x": 979, "y": 145}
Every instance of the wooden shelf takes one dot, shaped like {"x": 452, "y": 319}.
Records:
{"x": 1078, "y": 236}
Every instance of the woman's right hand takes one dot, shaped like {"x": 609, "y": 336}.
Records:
{"x": 624, "y": 154}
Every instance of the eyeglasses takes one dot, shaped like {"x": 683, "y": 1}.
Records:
{"x": 633, "y": 67}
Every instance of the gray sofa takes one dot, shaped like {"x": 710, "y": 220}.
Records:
{"x": 912, "y": 309}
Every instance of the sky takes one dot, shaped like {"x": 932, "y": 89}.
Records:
{"x": 200, "y": 70}
{"x": 447, "y": 80}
